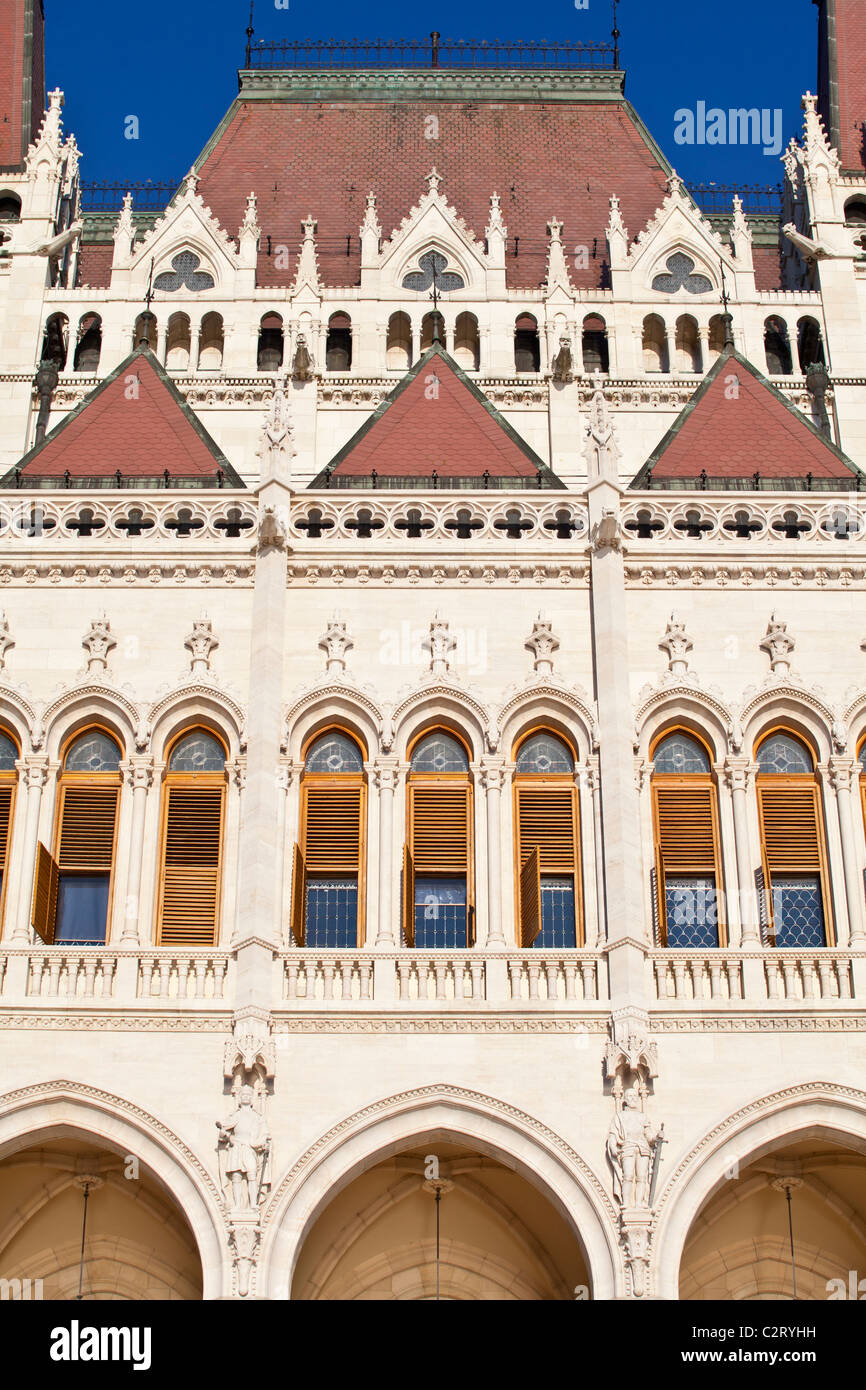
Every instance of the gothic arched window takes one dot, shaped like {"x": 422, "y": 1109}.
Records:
{"x": 688, "y": 870}
{"x": 193, "y": 807}
{"x": 338, "y": 344}
{"x": 89, "y": 344}
{"x": 795, "y": 899}
{"x": 527, "y": 345}
{"x": 777, "y": 347}
{"x": 438, "y": 858}
{"x": 328, "y": 882}
{"x": 547, "y": 844}
{"x": 72, "y": 896}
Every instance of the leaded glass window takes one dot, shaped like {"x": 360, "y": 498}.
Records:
{"x": 862, "y": 758}
{"x": 681, "y": 756}
{"x": 334, "y": 753}
{"x": 93, "y": 752}
{"x": 691, "y": 911}
{"x": 332, "y": 913}
{"x": 440, "y": 913}
{"x": 798, "y": 910}
{"x": 184, "y": 274}
{"x": 544, "y": 754}
{"x": 8, "y": 754}
{"x": 557, "y": 914}
{"x": 681, "y": 275}
{"x": 780, "y": 756}
{"x": 197, "y": 752}
{"x": 438, "y": 752}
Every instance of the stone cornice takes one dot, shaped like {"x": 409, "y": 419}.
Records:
{"x": 439, "y": 84}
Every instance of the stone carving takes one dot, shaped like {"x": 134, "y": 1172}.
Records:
{"x": 563, "y": 366}
{"x": 631, "y": 1147}
{"x": 601, "y": 449}
{"x": 778, "y": 645}
{"x": 336, "y": 642}
{"x": 5, "y": 640}
{"x": 677, "y": 643}
{"x": 201, "y": 642}
{"x": 277, "y": 447}
{"x": 302, "y": 363}
{"x": 272, "y": 529}
{"x": 98, "y": 642}
{"x": 439, "y": 644}
{"x": 606, "y": 534}
{"x": 244, "y": 1149}
{"x": 542, "y": 642}
{"x": 245, "y": 1235}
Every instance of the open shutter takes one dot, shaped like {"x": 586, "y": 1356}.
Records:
{"x": 87, "y": 821}
{"x": 546, "y": 821}
{"x": 5, "y": 822}
{"x": 687, "y": 838}
{"x": 530, "y": 898}
{"x": 299, "y": 895}
{"x": 190, "y": 866}
{"x": 789, "y": 814}
{"x": 408, "y": 897}
{"x": 332, "y": 828}
{"x": 43, "y": 914}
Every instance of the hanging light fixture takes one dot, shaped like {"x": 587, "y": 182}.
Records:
{"x": 786, "y": 1184}
{"x": 437, "y": 1186}
{"x": 87, "y": 1182}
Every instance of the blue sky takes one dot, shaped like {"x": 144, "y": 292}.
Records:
{"x": 174, "y": 66}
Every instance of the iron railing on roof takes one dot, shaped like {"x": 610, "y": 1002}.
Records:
{"x": 718, "y": 197}
{"x": 108, "y": 197}
{"x": 432, "y": 52}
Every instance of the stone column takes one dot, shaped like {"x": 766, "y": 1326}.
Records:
{"x": 843, "y": 777}
{"x": 671, "y": 338}
{"x": 491, "y": 778}
{"x": 194, "y": 348}
{"x": 739, "y": 774}
{"x": 385, "y": 774}
{"x": 643, "y": 782}
{"x": 138, "y": 776}
{"x": 584, "y": 778}
{"x": 34, "y": 777}
{"x": 612, "y": 361}
{"x": 704, "y": 345}
{"x": 594, "y": 782}
{"x": 162, "y": 340}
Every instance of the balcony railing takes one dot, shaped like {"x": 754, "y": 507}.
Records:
{"x": 432, "y": 52}
{"x": 718, "y": 197}
{"x": 108, "y": 197}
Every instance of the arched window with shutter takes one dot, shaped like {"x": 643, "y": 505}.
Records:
{"x": 72, "y": 888}
{"x": 329, "y": 859}
{"x": 796, "y": 897}
{"x": 687, "y": 876}
{"x": 438, "y": 882}
{"x": 8, "y": 787}
{"x": 547, "y": 844}
{"x": 861, "y": 759}
{"x": 191, "y": 837}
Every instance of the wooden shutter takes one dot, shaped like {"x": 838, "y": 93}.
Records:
{"x": 408, "y": 897}
{"x": 687, "y": 836}
{"x": 530, "y": 898}
{"x": 87, "y": 821}
{"x": 192, "y": 837}
{"x": 546, "y": 821}
{"x": 299, "y": 897}
{"x": 439, "y": 828}
{"x": 792, "y": 840}
{"x": 332, "y": 827}
{"x": 43, "y": 914}
{"x": 5, "y": 821}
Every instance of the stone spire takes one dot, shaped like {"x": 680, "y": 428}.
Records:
{"x": 307, "y": 274}
{"x": 277, "y": 447}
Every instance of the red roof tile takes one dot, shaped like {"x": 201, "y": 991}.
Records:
{"x": 560, "y": 159}
{"x": 436, "y": 419}
{"x": 136, "y": 422}
{"x": 94, "y": 264}
{"x": 737, "y": 424}
{"x": 850, "y": 52}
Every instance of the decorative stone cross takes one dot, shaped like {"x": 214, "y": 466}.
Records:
{"x": 542, "y": 642}
{"x": 201, "y": 642}
{"x": 778, "y": 644}
{"x": 677, "y": 643}
{"x": 335, "y": 642}
{"x": 98, "y": 642}
{"x": 439, "y": 644}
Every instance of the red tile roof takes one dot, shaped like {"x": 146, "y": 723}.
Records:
{"x": 20, "y": 27}
{"x": 319, "y": 158}
{"x": 768, "y": 268}
{"x": 436, "y": 419}
{"x": 851, "y": 66}
{"x": 136, "y": 422}
{"x": 737, "y": 424}
{"x": 94, "y": 264}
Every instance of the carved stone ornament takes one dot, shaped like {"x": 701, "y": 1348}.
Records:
{"x": 677, "y": 643}
{"x": 542, "y": 642}
{"x": 245, "y": 1236}
{"x": 335, "y": 642}
{"x": 605, "y": 534}
{"x": 563, "y": 365}
{"x": 243, "y": 1148}
{"x": 633, "y": 1147}
{"x": 277, "y": 447}
{"x": 440, "y": 644}
{"x": 272, "y": 529}
{"x": 778, "y": 644}
{"x": 5, "y": 640}
{"x": 302, "y": 363}
{"x": 201, "y": 642}
{"x": 98, "y": 642}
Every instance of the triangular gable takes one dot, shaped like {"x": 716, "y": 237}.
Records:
{"x": 135, "y": 423}
{"x": 437, "y": 420}
{"x": 738, "y": 425}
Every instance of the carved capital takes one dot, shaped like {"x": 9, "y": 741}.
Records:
{"x": 138, "y": 773}
{"x": 386, "y": 774}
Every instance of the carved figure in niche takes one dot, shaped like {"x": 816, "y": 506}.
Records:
{"x": 244, "y": 1146}
{"x": 631, "y": 1147}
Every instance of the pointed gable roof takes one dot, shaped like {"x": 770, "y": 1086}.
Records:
{"x": 436, "y": 419}
{"x": 736, "y": 425}
{"x": 136, "y": 423}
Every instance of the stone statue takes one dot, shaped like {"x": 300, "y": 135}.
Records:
{"x": 302, "y": 366}
{"x": 631, "y": 1146}
{"x": 563, "y": 369}
{"x": 246, "y": 1144}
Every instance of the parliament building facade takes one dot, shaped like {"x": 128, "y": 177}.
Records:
{"x": 433, "y": 693}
